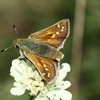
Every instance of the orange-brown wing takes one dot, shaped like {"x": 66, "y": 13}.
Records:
{"x": 46, "y": 67}
{"x": 54, "y": 35}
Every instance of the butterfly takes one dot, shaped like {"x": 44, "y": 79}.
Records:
{"x": 42, "y": 48}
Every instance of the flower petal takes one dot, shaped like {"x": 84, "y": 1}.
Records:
{"x": 66, "y": 66}
{"x": 51, "y": 95}
{"x": 15, "y": 62}
{"x": 17, "y": 91}
{"x": 64, "y": 95}
{"x": 63, "y": 71}
{"x": 65, "y": 85}
{"x": 41, "y": 98}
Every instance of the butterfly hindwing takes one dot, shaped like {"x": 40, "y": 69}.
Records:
{"x": 46, "y": 67}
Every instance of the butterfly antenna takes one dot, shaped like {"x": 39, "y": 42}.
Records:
{"x": 6, "y": 49}
{"x": 15, "y": 30}
{"x": 11, "y": 45}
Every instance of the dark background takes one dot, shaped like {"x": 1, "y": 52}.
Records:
{"x": 33, "y": 15}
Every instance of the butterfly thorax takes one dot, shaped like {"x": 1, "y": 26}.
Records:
{"x": 38, "y": 48}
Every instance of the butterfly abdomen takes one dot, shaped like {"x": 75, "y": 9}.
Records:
{"x": 41, "y": 49}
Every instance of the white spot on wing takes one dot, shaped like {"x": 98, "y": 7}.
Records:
{"x": 57, "y": 32}
{"x": 44, "y": 65}
{"x": 44, "y": 74}
{"x": 46, "y": 69}
{"x": 62, "y": 29}
{"x": 48, "y": 75}
{"x": 53, "y": 36}
{"x": 58, "y": 25}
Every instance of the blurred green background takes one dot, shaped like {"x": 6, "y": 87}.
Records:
{"x": 33, "y": 15}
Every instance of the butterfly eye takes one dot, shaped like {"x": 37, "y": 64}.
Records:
{"x": 17, "y": 46}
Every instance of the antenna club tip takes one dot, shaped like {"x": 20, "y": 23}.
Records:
{"x": 13, "y": 26}
{"x": 2, "y": 50}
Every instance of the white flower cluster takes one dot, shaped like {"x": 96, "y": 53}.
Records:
{"x": 27, "y": 78}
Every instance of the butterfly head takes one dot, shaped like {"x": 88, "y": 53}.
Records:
{"x": 17, "y": 43}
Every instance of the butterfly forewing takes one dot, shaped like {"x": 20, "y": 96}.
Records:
{"x": 46, "y": 67}
{"x": 54, "y": 35}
